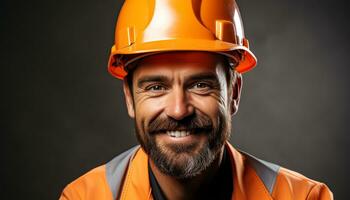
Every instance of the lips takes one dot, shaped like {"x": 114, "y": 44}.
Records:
{"x": 178, "y": 134}
{"x": 182, "y": 132}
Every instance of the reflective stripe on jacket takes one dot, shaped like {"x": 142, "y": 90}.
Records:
{"x": 126, "y": 177}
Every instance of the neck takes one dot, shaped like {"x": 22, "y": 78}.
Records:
{"x": 176, "y": 189}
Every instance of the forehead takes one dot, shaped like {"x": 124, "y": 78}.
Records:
{"x": 180, "y": 63}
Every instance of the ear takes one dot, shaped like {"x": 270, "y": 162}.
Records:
{"x": 236, "y": 92}
{"x": 128, "y": 99}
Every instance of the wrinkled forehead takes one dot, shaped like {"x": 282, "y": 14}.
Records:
{"x": 181, "y": 64}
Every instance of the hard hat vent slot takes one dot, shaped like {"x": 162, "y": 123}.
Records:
{"x": 131, "y": 35}
{"x": 225, "y": 31}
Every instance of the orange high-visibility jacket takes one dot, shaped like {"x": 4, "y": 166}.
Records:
{"x": 126, "y": 177}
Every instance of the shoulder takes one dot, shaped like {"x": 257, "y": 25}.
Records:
{"x": 88, "y": 186}
{"x": 293, "y": 185}
{"x": 285, "y": 184}
{"x": 102, "y": 182}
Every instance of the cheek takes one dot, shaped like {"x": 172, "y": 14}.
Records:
{"x": 146, "y": 110}
{"x": 209, "y": 106}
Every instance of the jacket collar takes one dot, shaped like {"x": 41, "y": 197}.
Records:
{"x": 246, "y": 183}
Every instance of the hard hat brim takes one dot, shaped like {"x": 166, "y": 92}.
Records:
{"x": 140, "y": 50}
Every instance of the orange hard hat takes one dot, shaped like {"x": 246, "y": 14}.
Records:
{"x": 146, "y": 27}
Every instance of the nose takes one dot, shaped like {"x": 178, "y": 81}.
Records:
{"x": 178, "y": 105}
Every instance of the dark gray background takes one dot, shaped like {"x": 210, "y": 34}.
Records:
{"x": 64, "y": 114}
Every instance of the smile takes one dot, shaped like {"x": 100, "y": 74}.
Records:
{"x": 178, "y": 134}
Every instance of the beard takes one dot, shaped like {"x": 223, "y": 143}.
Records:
{"x": 185, "y": 160}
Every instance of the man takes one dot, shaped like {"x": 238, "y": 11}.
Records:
{"x": 181, "y": 63}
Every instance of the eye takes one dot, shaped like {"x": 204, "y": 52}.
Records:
{"x": 156, "y": 87}
{"x": 201, "y": 85}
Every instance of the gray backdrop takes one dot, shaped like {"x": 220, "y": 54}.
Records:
{"x": 64, "y": 114}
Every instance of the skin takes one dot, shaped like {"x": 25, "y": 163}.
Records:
{"x": 190, "y": 83}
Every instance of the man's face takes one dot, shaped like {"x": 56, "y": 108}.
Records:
{"x": 182, "y": 108}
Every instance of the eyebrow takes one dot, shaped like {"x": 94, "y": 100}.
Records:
{"x": 201, "y": 76}
{"x": 152, "y": 78}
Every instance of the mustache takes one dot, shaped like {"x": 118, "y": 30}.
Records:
{"x": 193, "y": 122}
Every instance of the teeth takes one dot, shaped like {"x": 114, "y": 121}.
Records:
{"x": 178, "y": 134}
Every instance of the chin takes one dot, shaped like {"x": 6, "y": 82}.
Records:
{"x": 182, "y": 161}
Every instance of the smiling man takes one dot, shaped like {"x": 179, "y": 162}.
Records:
{"x": 181, "y": 63}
